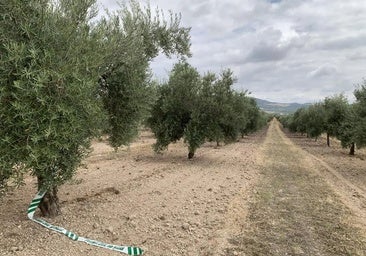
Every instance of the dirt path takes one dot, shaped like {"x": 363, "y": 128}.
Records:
{"x": 302, "y": 206}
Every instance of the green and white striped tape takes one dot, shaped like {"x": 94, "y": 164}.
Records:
{"x": 123, "y": 249}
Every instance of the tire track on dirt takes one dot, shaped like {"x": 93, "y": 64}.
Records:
{"x": 296, "y": 211}
{"x": 350, "y": 194}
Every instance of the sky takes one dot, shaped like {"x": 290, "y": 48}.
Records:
{"x": 279, "y": 50}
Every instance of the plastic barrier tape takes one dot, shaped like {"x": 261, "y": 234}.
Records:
{"x": 123, "y": 249}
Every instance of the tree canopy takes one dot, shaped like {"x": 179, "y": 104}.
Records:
{"x": 360, "y": 119}
{"x": 133, "y": 38}
{"x": 335, "y": 117}
{"x": 199, "y": 108}
{"x": 63, "y": 74}
{"x": 335, "y": 113}
{"x": 49, "y": 67}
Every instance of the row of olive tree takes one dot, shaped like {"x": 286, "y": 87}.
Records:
{"x": 200, "y": 108}
{"x": 64, "y": 74}
{"x": 335, "y": 117}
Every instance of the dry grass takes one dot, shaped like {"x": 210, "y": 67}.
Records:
{"x": 295, "y": 212}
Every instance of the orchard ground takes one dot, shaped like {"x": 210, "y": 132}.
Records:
{"x": 269, "y": 194}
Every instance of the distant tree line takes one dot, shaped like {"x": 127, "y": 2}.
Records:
{"x": 335, "y": 117}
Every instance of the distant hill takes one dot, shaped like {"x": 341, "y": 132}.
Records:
{"x": 279, "y": 108}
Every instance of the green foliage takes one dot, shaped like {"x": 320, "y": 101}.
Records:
{"x": 202, "y": 124}
{"x": 172, "y": 111}
{"x": 61, "y": 74}
{"x": 285, "y": 120}
{"x": 336, "y": 117}
{"x": 225, "y": 117}
{"x": 256, "y": 119}
{"x": 335, "y": 113}
{"x": 360, "y": 119}
{"x": 347, "y": 130}
{"x": 315, "y": 120}
{"x": 326, "y": 116}
{"x": 201, "y": 108}
{"x": 296, "y": 121}
{"x": 309, "y": 120}
{"x": 133, "y": 38}
{"x": 48, "y": 72}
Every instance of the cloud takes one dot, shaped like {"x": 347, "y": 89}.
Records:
{"x": 344, "y": 42}
{"x": 265, "y": 52}
{"x": 324, "y": 70}
{"x": 279, "y": 49}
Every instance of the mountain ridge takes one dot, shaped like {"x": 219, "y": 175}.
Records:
{"x": 279, "y": 108}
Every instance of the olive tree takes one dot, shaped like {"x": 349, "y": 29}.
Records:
{"x": 347, "y": 130}
{"x": 360, "y": 116}
{"x": 59, "y": 71}
{"x": 223, "y": 96}
{"x": 335, "y": 113}
{"x": 297, "y": 121}
{"x": 173, "y": 109}
{"x": 199, "y": 108}
{"x": 202, "y": 124}
{"x": 256, "y": 118}
{"x": 315, "y": 122}
{"x": 134, "y": 37}
{"x": 217, "y": 114}
{"x": 49, "y": 107}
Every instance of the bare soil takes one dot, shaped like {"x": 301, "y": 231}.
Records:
{"x": 163, "y": 203}
{"x": 264, "y": 195}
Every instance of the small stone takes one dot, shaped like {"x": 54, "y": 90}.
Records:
{"x": 14, "y": 249}
{"x": 133, "y": 224}
{"x": 355, "y": 194}
{"x": 162, "y": 217}
{"x": 109, "y": 229}
{"x": 196, "y": 213}
{"x": 185, "y": 226}
{"x": 298, "y": 250}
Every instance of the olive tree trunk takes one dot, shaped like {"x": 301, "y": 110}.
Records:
{"x": 49, "y": 206}
{"x": 352, "y": 149}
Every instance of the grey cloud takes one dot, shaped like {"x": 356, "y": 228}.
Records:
{"x": 324, "y": 70}
{"x": 357, "y": 56}
{"x": 244, "y": 29}
{"x": 349, "y": 42}
{"x": 274, "y": 1}
{"x": 265, "y": 52}
{"x": 280, "y": 50}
